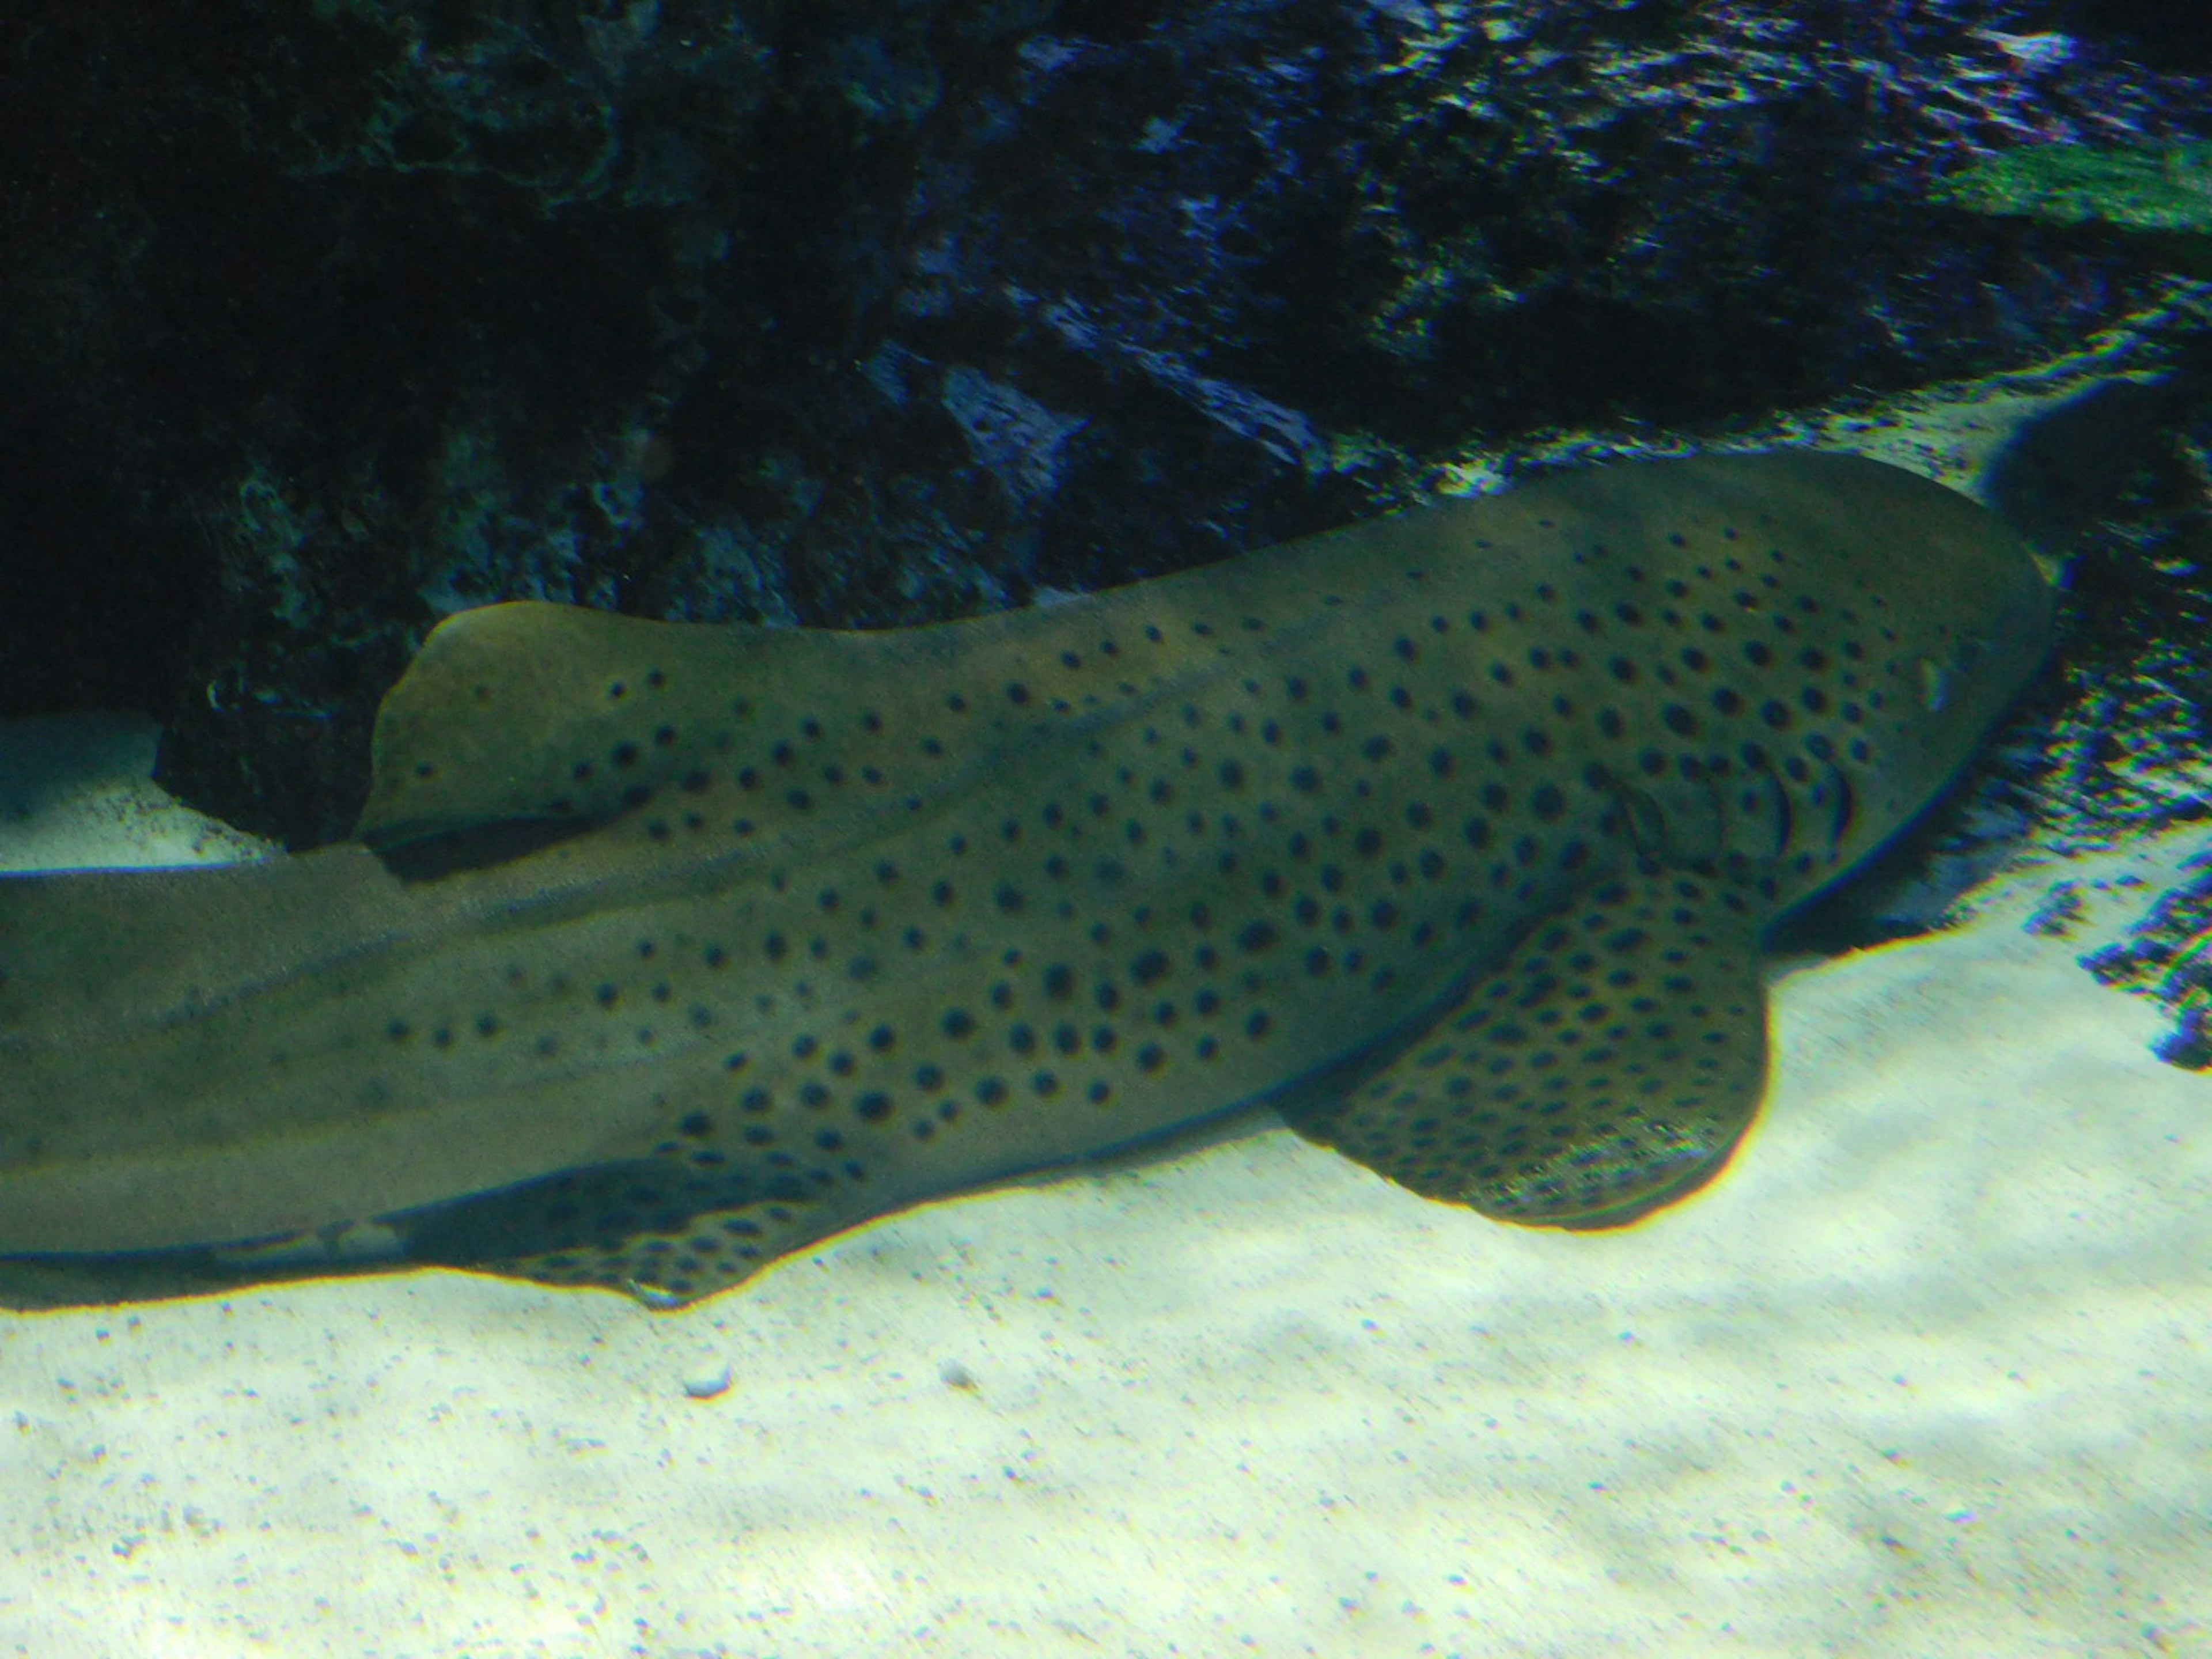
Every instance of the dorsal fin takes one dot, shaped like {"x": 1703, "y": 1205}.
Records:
{"x": 533, "y": 711}
{"x": 668, "y": 735}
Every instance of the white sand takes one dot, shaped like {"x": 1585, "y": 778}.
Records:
{"x": 1928, "y": 1372}
{"x": 75, "y": 792}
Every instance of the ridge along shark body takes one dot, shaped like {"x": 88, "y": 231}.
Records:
{"x": 1453, "y": 834}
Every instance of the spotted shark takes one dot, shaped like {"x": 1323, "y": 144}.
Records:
{"x": 663, "y": 951}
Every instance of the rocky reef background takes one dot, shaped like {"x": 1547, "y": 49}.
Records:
{"x": 319, "y": 321}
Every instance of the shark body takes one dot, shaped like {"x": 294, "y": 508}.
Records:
{"x": 665, "y": 949}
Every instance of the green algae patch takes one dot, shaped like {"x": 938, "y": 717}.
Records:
{"x": 2159, "y": 190}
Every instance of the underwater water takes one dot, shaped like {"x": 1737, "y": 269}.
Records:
{"x": 1922, "y": 1372}
{"x": 981, "y": 1100}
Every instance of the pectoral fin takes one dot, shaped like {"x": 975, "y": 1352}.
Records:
{"x": 1609, "y": 1066}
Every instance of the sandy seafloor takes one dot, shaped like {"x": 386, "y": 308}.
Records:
{"x": 1930, "y": 1372}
